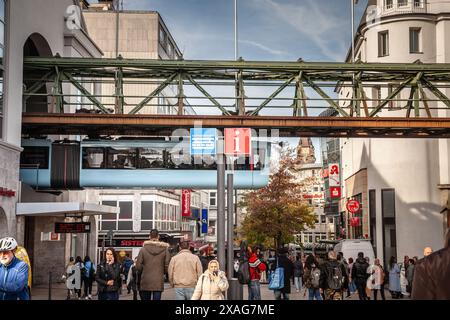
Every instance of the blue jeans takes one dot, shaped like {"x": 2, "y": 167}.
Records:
{"x": 184, "y": 293}
{"x": 352, "y": 287}
{"x": 278, "y": 294}
{"x": 298, "y": 283}
{"x": 254, "y": 290}
{"x": 147, "y": 295}
{"x": 314, "y": 293}
{"x": 108, "y": 295}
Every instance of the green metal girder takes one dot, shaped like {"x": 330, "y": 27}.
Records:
{"x": 424, "y": 99}
{"x": 214, "y": 101}
{"x": 275, "y": 66}
{"x": 437, "y": 92}
{"x": 39, "y": 84}
{"x": 391, "y": 96}
{"x": 57, "y": 88}
{"x": 119, "y": 91}
{"x": 332, "y": 103}
{"x": 83, "y": 90}
{"x": 180, "y": 94}
{"x": 152, "y": 95}
{"x": 273, "y": 95}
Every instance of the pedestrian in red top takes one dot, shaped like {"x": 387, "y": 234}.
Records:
{"x": 256, "y": 267}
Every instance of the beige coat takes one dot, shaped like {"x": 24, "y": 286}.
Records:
{"x": 208, "y": 289}
{"x": 153, "y": 262}
{"x": 184, "y": 270}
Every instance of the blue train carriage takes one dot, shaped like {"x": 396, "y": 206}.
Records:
{"x": 46, "y": 164}
{"x": 133, "y": 163}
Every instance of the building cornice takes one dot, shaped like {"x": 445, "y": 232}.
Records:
{"x": 7, "y": 146}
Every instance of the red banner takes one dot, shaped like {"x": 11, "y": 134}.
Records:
{"x": 186, "y": 203}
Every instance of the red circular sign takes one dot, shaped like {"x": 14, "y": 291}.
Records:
{"x": 353, "y": 206}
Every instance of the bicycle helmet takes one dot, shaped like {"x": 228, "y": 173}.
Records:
{"x": 8, "y": 244}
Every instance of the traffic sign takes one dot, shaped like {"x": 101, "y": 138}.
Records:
{"x": 353, "y": 206}
{"x": 237, "y": 141}
{"x": 203, "y": 141}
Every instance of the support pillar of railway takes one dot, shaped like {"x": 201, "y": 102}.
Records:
{"x": 221, "y": 202}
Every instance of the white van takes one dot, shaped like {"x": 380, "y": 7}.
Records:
{"x": 351, "y": 247}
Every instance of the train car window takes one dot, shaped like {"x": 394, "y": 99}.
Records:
{"x": 93, "y": 158}
{"x": 151, "y": 158}
{"x": 33, "y": 157}
{"x": 121, "y": 158}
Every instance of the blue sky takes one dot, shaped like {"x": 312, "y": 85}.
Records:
{"x": 273, "y": 30}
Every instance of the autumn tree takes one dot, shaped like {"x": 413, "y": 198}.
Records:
{"x": 275, "y": 213}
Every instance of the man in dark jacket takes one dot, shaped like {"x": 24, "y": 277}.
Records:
{"x": 153, "y": 262}
{"x": 288, "y": 266}
{"x": 333, "y": 277}
{"x": 298, "y": 273}
{"x": 431, "y": 275}
{"x": 360, "y": 275}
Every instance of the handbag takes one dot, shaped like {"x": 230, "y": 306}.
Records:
{"x": 277, "y": 278}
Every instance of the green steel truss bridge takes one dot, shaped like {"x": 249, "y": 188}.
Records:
{"x": 297, "y": 98}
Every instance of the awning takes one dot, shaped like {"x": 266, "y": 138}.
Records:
{"x": 55, "y": 209}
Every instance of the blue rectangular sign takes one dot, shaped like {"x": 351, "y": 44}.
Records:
{"x": 204, "y": 220}
{"x": 203, "y": 141}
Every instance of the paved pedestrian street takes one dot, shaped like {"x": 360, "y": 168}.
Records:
{"x": 59, "y": 292}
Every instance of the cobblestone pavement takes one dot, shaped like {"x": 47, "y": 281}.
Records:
{"x": 59, "y": 292}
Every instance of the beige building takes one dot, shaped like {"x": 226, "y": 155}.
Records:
{"x": 134, "y": 35}
{"x": 402, "y": 184}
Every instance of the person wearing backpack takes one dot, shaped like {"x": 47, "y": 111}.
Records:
{"x": 255, "y": 268}
{"x": 360, "y": 275}
{"x": 288, "y": 268}
{"x": 88, "y": 277}
{"x": 311, "y": 278}
{"x": 333, "y": 277}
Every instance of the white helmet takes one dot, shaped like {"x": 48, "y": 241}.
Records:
{"x": 8, "y": 244}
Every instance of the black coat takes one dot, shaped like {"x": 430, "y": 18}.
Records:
{"x": 432, "y": 277}
{"x": 106, "y": 272}
{"x": 288, "y": 266}
{"x": 298, "y": 269}
{"x": 359, "y": 270}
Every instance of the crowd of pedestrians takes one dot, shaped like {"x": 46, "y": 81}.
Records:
{"x": 193, "y": 277}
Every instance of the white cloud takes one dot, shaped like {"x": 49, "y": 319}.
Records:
{"x": 317, "y": 23}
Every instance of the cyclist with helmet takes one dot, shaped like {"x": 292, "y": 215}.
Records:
{"x": 13, "y": 272}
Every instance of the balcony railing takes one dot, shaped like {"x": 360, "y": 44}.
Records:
{"x": 399, "y": 7}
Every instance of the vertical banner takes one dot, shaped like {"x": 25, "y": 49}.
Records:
{"x": 204, "y": 221}
{"x": 185, "y": 203}
{"x": 334, "y": 180}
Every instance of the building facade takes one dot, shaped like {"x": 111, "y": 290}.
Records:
{"x": 402, "y": 184}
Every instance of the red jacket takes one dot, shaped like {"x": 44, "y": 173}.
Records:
{"x": 256, "y": 267}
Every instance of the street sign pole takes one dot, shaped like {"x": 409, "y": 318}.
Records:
{"x": 230, "y": 225}
{"x": 221, "y": 203}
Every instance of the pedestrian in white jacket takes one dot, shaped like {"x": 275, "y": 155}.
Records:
{"x": 212, "y": 283}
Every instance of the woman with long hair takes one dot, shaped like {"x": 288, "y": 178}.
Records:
{"x": 80, "y": 266}
{"x": 108, "y": 276}
{"x": 88, "y": 277}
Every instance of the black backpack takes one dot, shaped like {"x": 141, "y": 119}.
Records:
{"x": 335, "y": 279}
{"x": 243, "y": 273}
